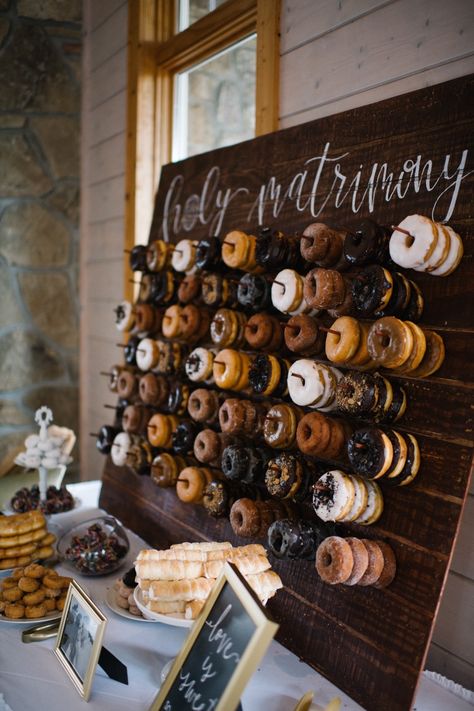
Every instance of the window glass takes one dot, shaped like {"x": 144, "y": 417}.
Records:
{"x": 190, "y": 11}
{"x": 214, "y": 103}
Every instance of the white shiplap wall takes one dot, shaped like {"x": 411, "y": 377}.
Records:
{"x": 335, "y": 55}
{"x": 340, "y": 54}
{"x": 102, "y": 213}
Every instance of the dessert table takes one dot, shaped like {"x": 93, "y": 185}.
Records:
{"x": 32, "y": 678}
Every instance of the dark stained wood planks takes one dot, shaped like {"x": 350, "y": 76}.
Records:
{"x": 369, "y": 642}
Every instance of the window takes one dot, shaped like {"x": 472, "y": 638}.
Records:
{"x": 166, "y": 71}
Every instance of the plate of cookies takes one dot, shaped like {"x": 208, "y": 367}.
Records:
{"x": 24, "y": 539}
{"x": 33, "y": 593}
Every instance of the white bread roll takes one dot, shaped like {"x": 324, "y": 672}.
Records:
{"x": 169, "y": 569}
{"x": 247, "y": 565}
{"x": 165, "y": 590}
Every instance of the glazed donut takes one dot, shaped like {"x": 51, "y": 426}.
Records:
{"x": 137, "y": 258}
{"x": 343, "y": 340}
{"x": 370, "y": 452}
{"x": 28, "y": 585}
{"x": 124, "y": 316}
{"x": 274, "y": 250}
{"x": 160, "y": 428}
{"x": 165, "y": 469}
{"x": 15, "y": 611}
{"x": 157, "y": 255}
{"x": 207, "y": 446}
{"x": 303, "y": 335}
{"x": 35, "y": 611}
{"x": 398, "y": 405}
{"x": 44, "y": 552}
{"x": 219, "y": 496}
{"x": 264, "y": 332}
{"x": 360, "y": 557}
{"x": 49, "y": 604}
{"x": 416, "y": 248}
{"x": 147, "y": 354}
{"x": 368, "y": 242}
{"x": 433, "y": 358}
{"x": 189, "y": 289}
{"x": 11, "y": 582}
{"x": 184, "y": 255}
{"x": 454, "y": 256}
{"x": 194, "y": 323}
{"x": 324, "y": 288}
{"x": 268, "y": 375}
{"x": 164, "y": 286}
{"x": 357, "y": 393}
{"x": 334, "y": 560}
{"x": 375, "y": 564}
{"x": 214, "y": 289}
{"x": 280, "y": 426}
{"x": 12, "y": 594}
{"x": 322, "y": 245}
{"x": 199, "y": 365}
{"x": 34, "y": 598}
{"x": 417, "y": 352}
{"x": 390, "y": 342}
{"x": 389, "y": 566}
{"x": 244, "y": 464}
{"x": 296, "y": 539}
{"x": 245, "y": 518}
{"x": 191, "y": 484}
{"x": 232, "y": 415}
{"x": 372, "y": 290}
{"x": 226, "y": 327}
{"x": 313, "y": 433}
{"x": 412, "y": 464}
{"x": 287, "y": 291}
{"x": 183, "y": 437}
{"x": 374, "y": 508}
{"x": 171, "y": 325}
{"x": 227, "y": 368}
{"x": 208, "y": 254}
{"x": 333, "y": 496}
{"x": 126, "y": 385}
{"x": 134, "y": 418}
{"x": 147, "y": 317}
{"x": 203, "y": 405}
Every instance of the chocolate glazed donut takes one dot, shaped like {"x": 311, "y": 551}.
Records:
{"x": 367, "y": 451}
{"x": 302, "y": 335}
{"x": 297, "y": 539}
{"x": 368, "y": 242}
{"x": 245, "y": 464}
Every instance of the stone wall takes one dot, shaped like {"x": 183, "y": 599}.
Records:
{"x": 40, "y": 52}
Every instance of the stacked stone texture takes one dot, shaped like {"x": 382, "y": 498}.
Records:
{"x": 40, "y": 50}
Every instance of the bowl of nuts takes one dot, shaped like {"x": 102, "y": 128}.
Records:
{"x": 95, "y": 547}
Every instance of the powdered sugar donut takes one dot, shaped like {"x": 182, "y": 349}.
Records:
{"x": 184, "y": 256}
{"x": 120, "y": 448}
{"x": 147, "y": 354}
{"x": 413, "y": 250}
{"x": 333, "y": 495}
{"x": 306, "y": 383}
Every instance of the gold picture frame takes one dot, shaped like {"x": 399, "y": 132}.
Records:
{"x": 79, "y": 641}
{"x": 230, "y": 586}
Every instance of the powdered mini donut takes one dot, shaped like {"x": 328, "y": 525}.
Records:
{"x": 334, "y": 560}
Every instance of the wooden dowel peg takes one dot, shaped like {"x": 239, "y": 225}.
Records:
{"x": 329, "y": 330}
{"x": 121, "y": 345}
{"x": 93, "y": 434}
{"x": 360, "y": 445}
{"x": 230, "y": 244}
{"x": 395, "y": 228}
{"x": 280, "y": 283}
{"x": 219, "y": 362}
{"x": 297, "y": 375}
{"x": 102, "y": 372}
{"x": 112, "y": 407}
{"x": 127, "y": 251}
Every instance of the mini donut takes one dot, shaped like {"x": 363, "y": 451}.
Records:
{"x": 374, "y": 508}
{"x": 157, "y": 255}
{"x": 389, "y": 566}
{"x": 280, "y": 426}
{"x": 334, "y": 560}
{"x": 261, "y": 331}
{"x": 227, "y": 368}
{"x": 433, "y": 358}
{"x": 390, "y": 342}
{"x": 360, "y": 557}
{"x": 199, "y": 365}
{"x": 60, "y": 603}
{"x": 171, "y": 325}
{"x": 313, "y": 433}
{"x": 147, "y": 354}
{"x": 287, "y": 291}
{"x": 303, "y": 335}
{"x": 370, "y": 452}
{"x": 372, "y": 290}
{"x": 343, "y": 340}
{"x": 124, "y": 316}
{"x": 153, "y": 389}
{"x": 51, "y": 593}
{"x": 191, "y": 484}
{"x": 28, "y": 585}
{"x": 35, "y": 611}
{"x": 416, "y": 248}
{"x": 375, "y": 565}
{"x": 245, "y": 518}
{"x": 189, "y": 289}
{"x": 203, "y": 405}
{"x": 321, "y": 244}
{"x": 119, "y": 449}
{"x": 14, "y": 611}
{"x": 360, "y": 499}
{"x": 12, "y": 594}
{"x": 16, "y": 575}
{"x": 35, "y": 570}
{"x": 10, "y": 582}
{"x": 184, "y": 255}
{"x": 225, "y": 328}
{"x": 454, "y": 256}
{"x": 53, "y": 582}
{"x": 324, "y": 288}
{"x": 35, "y": 598}
{"x": 333, "y": 495}
{"x": 126, "y": 385}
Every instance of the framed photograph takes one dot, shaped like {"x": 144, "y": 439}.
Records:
{"x": 79, "y": 640}
{"x": 222, "y": 650}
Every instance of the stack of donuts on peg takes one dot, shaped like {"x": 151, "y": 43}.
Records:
{"x": 257, "y": 380}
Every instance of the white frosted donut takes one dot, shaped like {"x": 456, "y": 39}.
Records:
{"x": 147, "y": 354}
{"x": 360, "y": 499}
{"x": 328, "y": 401}
{"x": 440, "y": 252}
{"x": 184, "y": 256}
{"x": 125, "y": 316}
{"x": 374, "y": 501}
{"x": 32, "y": 462}
{"x": 303, "y": 308}
{"x": 338, "y": 501}
{"x": 120, "y": 448}
{"x": 415, "y": 250}
{"x": 287, "y": 294}
{"x": 31, "y": 441}
{"x": 456, "y": 250}
{"x": 199, "y": 364}
{"x": 306, "y": 384}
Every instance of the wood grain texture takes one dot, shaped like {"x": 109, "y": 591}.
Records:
{"x": 370, "y": 643}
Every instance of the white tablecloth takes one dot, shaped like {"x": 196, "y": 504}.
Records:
{"x": 31, "y": 678}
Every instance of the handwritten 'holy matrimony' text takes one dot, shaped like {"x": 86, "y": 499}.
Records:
{"x": 322, "y": 182}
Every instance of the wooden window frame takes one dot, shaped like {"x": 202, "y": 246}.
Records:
{"x": 155, "y": 55}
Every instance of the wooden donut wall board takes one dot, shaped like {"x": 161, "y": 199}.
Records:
{"x": 409, "y": 154}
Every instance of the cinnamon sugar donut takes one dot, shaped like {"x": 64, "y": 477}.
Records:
{"x": 375, "y": 565}
{"x": 334, "y": 560}
{"x": 313, "y": 433}
{"x": 245, "y": 518}
{"x": 389, "y": 566}
{"x": 361, "y": 560}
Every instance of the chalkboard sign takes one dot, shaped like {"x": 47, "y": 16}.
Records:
{"x": 221, "y": 652}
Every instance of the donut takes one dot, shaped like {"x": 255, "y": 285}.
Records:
{"x": 374, "y": 508}
{"x": 28, "y": 585}
{"x": 390, "y": 342}
{"x": 333, "y": 495}
{"x": 280, "y": 426}
{"x": 412, "y": 464}
{"x": 165, "y": 469}
{"x": 360, "y": 557}
{"x": 191, "y": 484}
{"x": 133, "y": 418}
{"x": 296, "y": 539}
{"x": 303, "y": 335}
{"x": 184, "y": 255}
{"x": 389, "y": 566}
{"x": 159, "y": 430}
{"x": 49, "y": 604}
{"x": 199, "y": 365}
{"x": 219, "y": 496}
{"x": 357, "y": 393}
{"x": 433, "y": 358}
{"x": 253, "y": 292}
{"x": 203, "y": 405}
{"x": 264, "y": 332}
{"x": 322, "y": 245}
{"x": 334, "y": 560}
{"x": 157, "y": 255}
{"x": 398, "y": 405}
{"x": 208, "y": 254}
{"x": 343, "y": 339}
{"x": 324, "y": 288}
{"x": 14, "y": 610}
{"x": 11, "y": 582}
{"x": 34, "y": 598}
{"x": 367, "y": 242}
{"x": 214, "y": 289}
{"x": 147, "y": 317}
{"x": 245, "y": 518}
{"x": 12, "y": 594}
{"x": 194, "y": 323}
{"x": 284, "y": 476}
{"x": 360, "y": 499}
{"x": 14, "y": 546}
{"x": 416, "y": 248}
{"x": 15, "y": 576}
{"x": 372, "y": 290}
{"x": 147, "y": 354}
{"x": 273, "y": 249}
{"x": 189, "y": 289}
{"x": 265, "y": 375}
{"x": 370, "y": 452}
{"x": 235, "y": 249}
{"x": 35, "y": 610}
{"x": 44, "y": 552}
{"x": 228, "y": 368}
{"x": 287, "y": 291}
{"x": 153, "y": 389}
{"x": 171, "y": 325}
{"x": 375, "y": 564}
{"x": 313, "y": 433}
{"x": 183, "y": 437}
{"x": 454, "y": 256}
{"x": 245, "y": 464}
{"x": 124, "y": 316}
{"x": 19, "y": 524}
{"x": 225, "y": 328}
{"x": 207, "y": 446}
{"x": 119, "y": 449}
